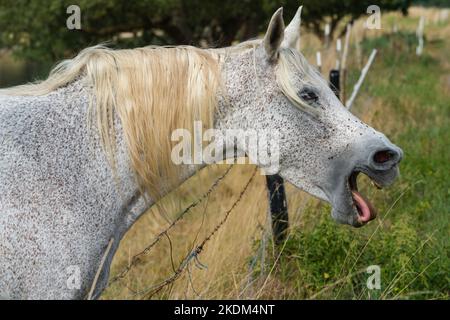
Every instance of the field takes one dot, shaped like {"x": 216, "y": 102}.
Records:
{"x": 405, "y": 96}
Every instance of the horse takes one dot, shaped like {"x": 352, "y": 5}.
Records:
{"x": 87, "y": 151}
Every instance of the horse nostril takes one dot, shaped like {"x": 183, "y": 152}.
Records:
{"x": 383, "y": 156}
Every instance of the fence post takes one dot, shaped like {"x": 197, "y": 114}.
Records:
{"x": 278, "y": 207}
{"x": 344, "y": 62}
{"x": 335, "y": 82}
{"x": 419, "y": 34}
{"x": 360, "y": 81}
{"x": 327, "y": 35}
{"x": 319, "y": 61}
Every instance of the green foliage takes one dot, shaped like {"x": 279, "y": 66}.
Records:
{"x": 333, "y": 11}
{"x": 36, "y": 30}
{"x": 433, "y": 3}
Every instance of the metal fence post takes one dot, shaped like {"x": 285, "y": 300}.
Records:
{"x": 335, "y": 82}
{"x": 278, "y": 207}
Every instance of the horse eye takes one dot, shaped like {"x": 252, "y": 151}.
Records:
{"x": 309, "y": 96}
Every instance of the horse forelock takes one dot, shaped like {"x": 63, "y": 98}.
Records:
{"x": 292, "y": 63}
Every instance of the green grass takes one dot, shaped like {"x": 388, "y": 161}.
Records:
{"x": 410, "y": 239}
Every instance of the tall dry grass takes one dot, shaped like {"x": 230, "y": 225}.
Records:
{"x": 227, "y": 255}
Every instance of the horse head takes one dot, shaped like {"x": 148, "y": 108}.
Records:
{"x": 322, "y": 146}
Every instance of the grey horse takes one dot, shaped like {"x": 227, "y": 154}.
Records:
{"x": 64, "y": 199}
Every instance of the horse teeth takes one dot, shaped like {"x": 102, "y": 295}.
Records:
{"x": 376, "y": 185}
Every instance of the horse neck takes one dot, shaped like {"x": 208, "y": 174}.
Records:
{"x": 238, "y": 76}
{"x": 101, "y": 192}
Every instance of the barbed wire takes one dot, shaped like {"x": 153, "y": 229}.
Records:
{"x": 193, "y": 255}
{"x": 136, "y": 259}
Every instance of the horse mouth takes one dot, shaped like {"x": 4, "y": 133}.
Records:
{"x": 364, "y": 208}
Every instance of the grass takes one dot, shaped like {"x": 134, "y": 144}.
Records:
{"x": 405, "y": 96}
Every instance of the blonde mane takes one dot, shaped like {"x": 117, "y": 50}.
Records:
{"x": 292, "y": 64}
{"x": 155, "y": 90}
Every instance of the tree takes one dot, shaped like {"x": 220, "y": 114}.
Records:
{"x": 433, "y": 3}
{"x": 36, "y": 30}
{"x": 318, "y": 13}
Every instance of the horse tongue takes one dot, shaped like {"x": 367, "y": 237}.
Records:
{"x": 366, "y": 210}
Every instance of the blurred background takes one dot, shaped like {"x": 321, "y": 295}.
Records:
{"x": 35, "y": 31}
{"x": 406, "y": 95}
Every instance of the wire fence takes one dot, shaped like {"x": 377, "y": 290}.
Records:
{"x": 193, "y": 255}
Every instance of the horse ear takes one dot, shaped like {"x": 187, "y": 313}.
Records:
{"x": 274, "y": 35}
{"x": 292, "y": 32}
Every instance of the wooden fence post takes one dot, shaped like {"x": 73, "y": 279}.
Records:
{"x": 319, "y": 61}
{"x": 360, "y": 81}
{"x": 278, "y": 207}
{"x": 344, "y": 62}
{"x": 327, "y": 35}
{"x": 419, "y": 34}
